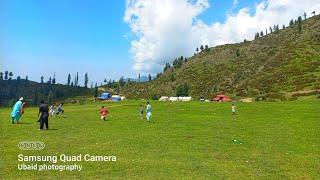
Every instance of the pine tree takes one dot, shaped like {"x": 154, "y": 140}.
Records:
{"x": 138, "y": 78}
{"x": 201, "y": 48}
{"x": 6, "y": 75}
{"x": 77, "y": 79}
{"x": 96, "y": 90}
{"x": 206, "y": 47}
{"x": 299, "y": 24}
{"x": 1, "y": 75}
{"x": 86, "y": 80}
{"x": 42, "y": 79}
{"x": 305, "y": 15}
{"x": 69, "y": 79}
{"x": 149, "y": 77}
{"x": 54, "y": 79}
{"x": 291, "y": 22}
{"x": 256, "y": 36}
{"x": 109, "y": 83}
{"x": 10, "y": 75}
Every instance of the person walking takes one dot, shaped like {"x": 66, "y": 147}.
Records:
{"x": 43, "y": 115}
{"x": 148, "y": 111}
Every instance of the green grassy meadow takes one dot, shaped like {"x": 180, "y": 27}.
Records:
{"x": 185, "y": 140}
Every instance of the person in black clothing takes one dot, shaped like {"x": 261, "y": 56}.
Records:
{"x": 44, "y": 112}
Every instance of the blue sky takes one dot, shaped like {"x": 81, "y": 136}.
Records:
{"x": 67, "y": 36}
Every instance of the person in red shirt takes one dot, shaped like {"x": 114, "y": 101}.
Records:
{"x": 104, "y": 113}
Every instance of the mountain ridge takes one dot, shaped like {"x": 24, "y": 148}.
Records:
{"x": 270, "y": 66}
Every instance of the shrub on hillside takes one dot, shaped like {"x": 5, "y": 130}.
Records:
{"x": 155, "y": 96}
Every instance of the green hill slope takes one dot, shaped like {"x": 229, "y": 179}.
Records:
{"x": 33, "y": 92}
{"x": 271, "y": 66}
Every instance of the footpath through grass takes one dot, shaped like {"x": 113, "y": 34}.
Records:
{"x": 184, "y": 140}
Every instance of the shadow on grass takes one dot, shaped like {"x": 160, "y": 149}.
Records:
{"x": 48, "y": 129}
{"x": 23, "y": 123}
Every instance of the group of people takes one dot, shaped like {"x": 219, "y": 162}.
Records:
{"x": 43, "y": 114}
{"x": 53, "y": 110}
{"x": 104, "y": 112}
{"x": 148, "y": 111}
{"x": 56, "y": 110}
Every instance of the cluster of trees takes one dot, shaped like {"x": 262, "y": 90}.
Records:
{"x": 182, "y": 90}
{"x": 8, "y": 76}
{"x": 202, "y": 48}
{"x": 176, "y": 64}
{"x": 276, "y": 28}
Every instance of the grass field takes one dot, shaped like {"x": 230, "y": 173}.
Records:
{"x": 194, "y": 140}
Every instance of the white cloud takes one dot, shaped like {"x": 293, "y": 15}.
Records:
{"x": 166, "y": 29}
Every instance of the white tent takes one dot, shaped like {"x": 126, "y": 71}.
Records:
{"x": 185, "y": 98}
{"x": 164, "y": 98}
{"x": 173, "y": 99}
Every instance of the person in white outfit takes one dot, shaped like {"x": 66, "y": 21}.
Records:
{"x": 148, "y": 111}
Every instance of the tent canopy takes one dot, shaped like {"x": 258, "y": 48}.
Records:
{"x": 105, "y": 96}
{"x": 221, "y": 98}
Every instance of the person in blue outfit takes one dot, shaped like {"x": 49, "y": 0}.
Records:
{"x": 148, "y": 111}
{"x": 16, "y": 111}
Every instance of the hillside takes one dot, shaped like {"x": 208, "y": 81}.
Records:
{"x": 271, "y": 66}
{"x": 33, "y": 92}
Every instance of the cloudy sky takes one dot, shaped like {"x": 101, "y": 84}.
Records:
{"x": 109, "y": 39}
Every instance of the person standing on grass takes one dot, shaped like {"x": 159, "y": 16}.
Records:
{"x": 233, "y": 109}
{"x": 141, "y": 111}
{"x": 43, "y": 115}
{"x": 148, "y": 111}
{"x": 103, "y": 113}
{"x": 17, "y": 111}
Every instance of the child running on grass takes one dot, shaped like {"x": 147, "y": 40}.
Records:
{"x": 233, "y": 109}
{"x": 103, "y": 113}
{"x": 60, "y": 109}
{"x": 52, "y": 110}
{"x": 141, "y": 112}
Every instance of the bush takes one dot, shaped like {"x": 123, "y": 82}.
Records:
{"x": 260, "y": 98}
{"x": 155, "y": 97}
{"x": 182, "y": 90}
{"x": 293, "y": 98}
